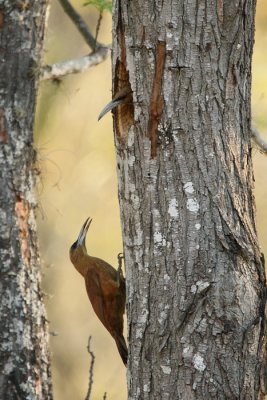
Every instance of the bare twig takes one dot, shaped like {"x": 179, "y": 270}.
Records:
{"x": 105, "y": 396}
{"x": 74, "y": 66}
{"x": 98, "y": 26}
{"x": 259, "y": 140}
{"x": 91, "y": 370}
{"x": 80, "y": 24}
{"x": 77, "y": 65}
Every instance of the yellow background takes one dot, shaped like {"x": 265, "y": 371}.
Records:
{"x": 78, "y": 179}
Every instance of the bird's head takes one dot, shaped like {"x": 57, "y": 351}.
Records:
{"x": 79, "y": 248}
{"x": 123, "y": 96}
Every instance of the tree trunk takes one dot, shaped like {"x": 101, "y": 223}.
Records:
{"x": 194, "y": 269}
{"x": 24, "y": 362}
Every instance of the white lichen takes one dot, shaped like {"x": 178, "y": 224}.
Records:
{"x": 192, "y": 205}
{"x": 139, "y": 333}
{"x": 146, "y": 388}
{"x": 188, "y": 352}
{"x": 166, "y": 278}
{"x": 162, "y": 318}
{"x": 198, "y": 362}
{"x": 4, "y": 231}
{"x": 173, "y": 208}
{"x": 135, "y": 201}
{"x": 143, "y": 315}
{"x": 201, "y": 286}
{"x": 165, "y": 369}
{"x": 130, "y": 137}
{"x": 189, "y": 188}
{"x": 193, "y": 289}
{"x": 131, "y": 160}
{"x": 157, "y": 237}
{"x": 197, "y": 226}
{"x": 8, "y": 366}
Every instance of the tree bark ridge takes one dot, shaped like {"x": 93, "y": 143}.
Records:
{"x": 25, "y": 361}
{"x": 195, "y": 276}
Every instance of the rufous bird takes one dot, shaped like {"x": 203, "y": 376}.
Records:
{"x": 123, "y": 96}
{"x": 105, "y": 287}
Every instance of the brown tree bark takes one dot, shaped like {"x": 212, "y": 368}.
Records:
{"x": 24, "y": 362}
{"x": 195, "y": 272}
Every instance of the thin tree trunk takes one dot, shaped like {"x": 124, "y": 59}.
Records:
{"x": 24, "y": 361}
{"x": 195, "y": 272}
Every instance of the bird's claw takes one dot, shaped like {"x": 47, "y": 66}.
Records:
{"x": 120, "y": 258}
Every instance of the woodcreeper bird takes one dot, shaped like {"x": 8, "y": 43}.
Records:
{"x": 123, "y": 96}
{"x": 105, "y": 287}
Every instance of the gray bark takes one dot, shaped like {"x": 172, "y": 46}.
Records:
{"x": 24, "y": 361}
{"x": 194, "y": 269}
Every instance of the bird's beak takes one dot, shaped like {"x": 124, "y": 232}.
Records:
{"x": 112, "y": 104}
{"x": 120, "y": 98}
{"x": 83, "y": 232}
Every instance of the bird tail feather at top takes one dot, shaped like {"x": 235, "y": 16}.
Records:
{"x": 121, "y": 345}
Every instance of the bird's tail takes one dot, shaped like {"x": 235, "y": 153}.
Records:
{"x": 121, "y": 345}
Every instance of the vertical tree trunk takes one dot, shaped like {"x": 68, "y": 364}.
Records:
{"x": 195, "y": 273}
{"x": 24, "y": 361}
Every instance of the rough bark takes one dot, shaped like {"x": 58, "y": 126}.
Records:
{"x": 24, "y": 361}
{"x": 194, "y": 269}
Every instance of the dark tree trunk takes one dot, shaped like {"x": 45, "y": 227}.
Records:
{"x": 24, "y": 361}
{"x": 194, "y": 269}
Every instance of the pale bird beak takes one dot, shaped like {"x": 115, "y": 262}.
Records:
{"x": 123, "y": 96}
{"x": 83, "y": 232}
{"x": 112, "y": 104}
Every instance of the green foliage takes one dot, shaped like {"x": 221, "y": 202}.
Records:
{"x": 100, "y": 5}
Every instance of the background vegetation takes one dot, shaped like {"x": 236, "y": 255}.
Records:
{"x": 78, "y": 179}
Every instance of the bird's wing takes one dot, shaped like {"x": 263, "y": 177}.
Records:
{"x": 96, "y": 296}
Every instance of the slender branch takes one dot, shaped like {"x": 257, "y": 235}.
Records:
{"x": 74, "y": 66}
{"x": 77, "y": 65}
{"x": 91, "y": 369}
{"x": 98, "y": 26}
{"x": 259, "y": 140}
{"x": 80, "y": 24}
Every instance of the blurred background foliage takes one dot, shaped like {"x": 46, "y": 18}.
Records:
{"x": 78, "y": 179}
